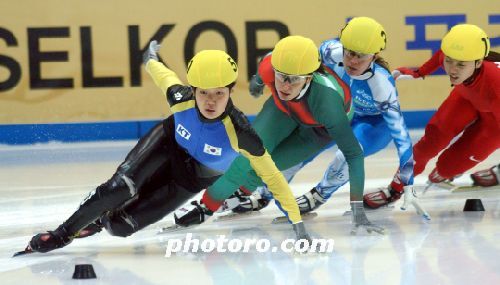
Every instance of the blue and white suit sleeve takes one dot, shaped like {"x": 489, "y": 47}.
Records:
{"x": 385, "y": 96}
{"x": 331, "y": 52}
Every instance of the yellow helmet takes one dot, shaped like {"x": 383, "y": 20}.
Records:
{"x": 363, "y": 35}
{"x": 211, "y": 69}
{"x": 295, "y": 55}
{"x": 466, "y": 42}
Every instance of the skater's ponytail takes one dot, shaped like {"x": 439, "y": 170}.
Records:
{"x": 382, "y": 62}
{"x": 493, "y": 56}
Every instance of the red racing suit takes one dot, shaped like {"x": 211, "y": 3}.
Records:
{"x": 472, "y": 108}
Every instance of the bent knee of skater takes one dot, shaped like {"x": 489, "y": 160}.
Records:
{"x": 119, "y": 230}
{"x": 117, "y": 226}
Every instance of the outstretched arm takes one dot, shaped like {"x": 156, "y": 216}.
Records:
{"x": 163, "y": 77}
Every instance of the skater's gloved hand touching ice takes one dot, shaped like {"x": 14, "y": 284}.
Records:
{"x": 193, "y": 214}
{"x": 410, "y": 198}
{"x": 301, "y": 232}
{"x": 359, "y": 220}
{"x": 151, "y": 52}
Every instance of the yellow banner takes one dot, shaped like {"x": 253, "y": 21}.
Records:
{"x": 76, "y": 61}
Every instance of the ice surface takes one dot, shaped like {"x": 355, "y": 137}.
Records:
{"x": 42, "y": 185}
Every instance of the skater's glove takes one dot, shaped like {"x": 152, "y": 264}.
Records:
{"x": 301, "y": 232}
{"x": 410, "y": 197}
{"x": 359, "y": 220}
{"x": 256, "y": 86}
{"x": 193, "y": 214}
{"x": 50, "y": 240}
{"x": 151, "y": 52}
{"x": 403, "y": 73}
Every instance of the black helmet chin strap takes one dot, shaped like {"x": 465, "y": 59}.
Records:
{"x": 304, "y": 90}
{"x": 469, "y": 80}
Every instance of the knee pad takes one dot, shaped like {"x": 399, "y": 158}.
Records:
{"x": 119, "y": 186}
{"x": 119, "y": 224}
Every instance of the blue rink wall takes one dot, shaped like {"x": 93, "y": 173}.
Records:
{"x": 125, "y": 130}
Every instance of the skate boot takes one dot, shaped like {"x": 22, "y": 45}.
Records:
{"x": 194, "y": 213}
{"x": 436, "y": 178}
{"x": 254, "y": 202}
{"x": 385, "y": 195}
{"x": 487, "y": 177}
{"x": 50, "y": 240}
{"x": 310, "y": 201}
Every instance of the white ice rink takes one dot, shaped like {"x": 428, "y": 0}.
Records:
{"x": 42, "y": 185}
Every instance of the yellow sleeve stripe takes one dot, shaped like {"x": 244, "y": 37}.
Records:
{"x": 183, "y": 106}
{"x": 162, "y": 76}
{"x": 231, "y": 133}
{"x": 266, "y": 169}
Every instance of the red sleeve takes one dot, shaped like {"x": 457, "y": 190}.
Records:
{"x": 450, "y": 119}
{"x": 266, "y": 71}
{"x": 492, "y": 80}
{"x": 432, "y": 64}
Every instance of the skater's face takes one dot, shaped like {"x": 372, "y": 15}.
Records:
{"x": 212, "y": 102}
{"x": 289, "y": 86}
{"x": 356, "y": 63}
{"x": 459, "y": 71}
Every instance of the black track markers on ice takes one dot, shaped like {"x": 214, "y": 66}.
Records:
{"x": 84, "y": 271}
{"x": 473, "y": 205}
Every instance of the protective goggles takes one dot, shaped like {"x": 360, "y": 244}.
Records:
{"x": 351, "y": 54}
{"x": 292, "y": 79}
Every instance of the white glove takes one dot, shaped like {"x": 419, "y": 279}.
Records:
{"x": 359, "y": 220}
{"x": 151, "y": 52}
{"x": 410, "y": 197}
{"x": 403, "y": 73}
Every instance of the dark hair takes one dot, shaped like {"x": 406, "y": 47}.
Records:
{"x": 231, "y": 85}
{"x": 382, "y": 62}
{"x": 493, "y": 56}
{"x": 320, "y": 69}
{"x": 378, "y": 60}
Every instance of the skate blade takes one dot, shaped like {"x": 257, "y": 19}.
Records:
{"x": 22, "y": 252}
{"x": 305, "y": 217}
{"x": 235, "y": 216}
{"x": 474, "y": 189}
{"x": 444, "y": 185}
{"x": 172, "y": 228}
{"x": 374, "y": 212}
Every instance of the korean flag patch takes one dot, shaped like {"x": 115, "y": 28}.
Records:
{"x": 212, "y": 150}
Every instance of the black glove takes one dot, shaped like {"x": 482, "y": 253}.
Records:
{"x": 256, "y": 86}
{"x": 194, "y": 214}
{"x": 151, "y": 52}
{"x": 50, "y": 240}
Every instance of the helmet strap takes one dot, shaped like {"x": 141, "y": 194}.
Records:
{"x": 367, "y": 74}
{"x": 304, "y": 90}
{"x": 469, "y": 80}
